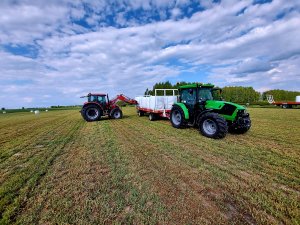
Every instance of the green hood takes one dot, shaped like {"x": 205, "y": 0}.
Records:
{"x": 212, "y": 104}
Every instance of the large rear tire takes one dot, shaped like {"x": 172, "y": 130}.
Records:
{"x": 91, "y": 113}
{"x": 116, "y": 113}
{"x": 177, "y": 117}
{"x": 212, "y": 125}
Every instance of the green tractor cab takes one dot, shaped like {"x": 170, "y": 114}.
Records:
{"x": 201, "y": 105}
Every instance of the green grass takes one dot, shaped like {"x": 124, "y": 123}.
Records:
{"x": 57, "y": 168}
{"x": 40, "y": 109}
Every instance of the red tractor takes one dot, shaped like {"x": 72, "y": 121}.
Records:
{"x": 99, "y": 105}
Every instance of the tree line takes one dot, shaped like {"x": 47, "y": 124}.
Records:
{"x": 281, "y": 95}
{"x": 236, "y": 94}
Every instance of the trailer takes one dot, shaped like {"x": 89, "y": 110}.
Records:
{"x": 157, "y": 106}
{"x": 284, "y": 104}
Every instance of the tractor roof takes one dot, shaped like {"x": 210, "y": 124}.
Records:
{"x": 195, "y": 85}
{"x": 97, "y": 94}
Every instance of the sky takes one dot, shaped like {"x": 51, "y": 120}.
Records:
{"x": 54, "y": 51}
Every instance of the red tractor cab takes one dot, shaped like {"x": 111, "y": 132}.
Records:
{"x": 99, "y": 105}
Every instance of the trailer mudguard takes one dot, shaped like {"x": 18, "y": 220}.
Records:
{"x": 184, "y": 109}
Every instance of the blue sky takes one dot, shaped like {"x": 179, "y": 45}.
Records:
{"x": 52, "y": 52}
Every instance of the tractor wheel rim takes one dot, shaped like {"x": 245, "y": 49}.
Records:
{"x": 209, "y": 126}
{"x": 176, "y": 117}
{"x": 92, "y": 113}
{"x": 117, "y": 114}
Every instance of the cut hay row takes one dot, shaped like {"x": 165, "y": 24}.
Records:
{"x": 57, "y": 168}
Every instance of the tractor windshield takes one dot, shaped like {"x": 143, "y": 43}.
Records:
{"x": 97, "y": 98}
{"x": 205, "y": 94}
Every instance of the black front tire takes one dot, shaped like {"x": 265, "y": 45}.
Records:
{"x": 177, "y": 117}
{"x": 91, "y": 113}
{"x": 212, "y": 125}
{"x": 116, "y": 114}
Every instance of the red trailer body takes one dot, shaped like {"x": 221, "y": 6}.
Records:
{"x": 284, "y": 104}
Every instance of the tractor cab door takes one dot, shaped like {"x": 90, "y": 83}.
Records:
{"x": 102, "y": 101}
{"x": 204, "y": 94}
{"x": 188, "y": 97}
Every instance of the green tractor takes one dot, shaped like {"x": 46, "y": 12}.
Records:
{"x": 200, "y": 105}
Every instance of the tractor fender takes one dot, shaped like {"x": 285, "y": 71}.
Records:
{"x": 202, "y": 113}
{"x": 184, "y": 109}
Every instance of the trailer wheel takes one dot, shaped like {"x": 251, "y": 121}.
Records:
{"x": 152, "y": 116}
{"x": 212, "y": 125}
{"x": 284, "y": 106}
{"x": 141, "y": 113}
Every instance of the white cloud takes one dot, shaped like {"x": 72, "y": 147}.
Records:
{"x": 254, "y": 48}
{"x": 176, "y": 12}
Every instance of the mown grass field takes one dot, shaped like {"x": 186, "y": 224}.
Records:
{"x": 58, "y": 169}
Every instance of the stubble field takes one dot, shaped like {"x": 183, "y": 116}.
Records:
{"x": 56, "y": 168}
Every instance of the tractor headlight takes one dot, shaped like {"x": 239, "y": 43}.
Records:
{"x": 242, "y": 113}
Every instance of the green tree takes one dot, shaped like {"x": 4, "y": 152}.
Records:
{"x": 240, "y": 94}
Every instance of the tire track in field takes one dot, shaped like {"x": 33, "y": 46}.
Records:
{"x": 201, "y": 151}
{"x": 31, "y": 151}
{"x": 89, "y": 184}
{"x": 267, "y": 187}
{"x": 15, "y": 190}
{"x": 187, "y": 199}
{"x": 248, "y": 184}
{"x": 30, "y": 134}
{"x": 29, "y": 131}
{"x": 235, "y": 158}
{"x": 66, "y": 185}
{"x": 258, "y": 172}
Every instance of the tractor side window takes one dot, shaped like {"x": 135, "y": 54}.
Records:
{"x": 205, "y": 94}
{"x": 101, "y": 99}
{"x": 94, "y": 98}
{"x": 188, "y": 96}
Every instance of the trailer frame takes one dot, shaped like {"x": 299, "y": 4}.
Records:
{"x": 157, "y": 112}
{"x": 282, "y": 104}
